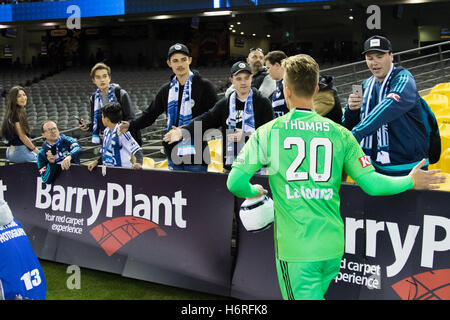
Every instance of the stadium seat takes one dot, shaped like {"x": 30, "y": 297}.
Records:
{"x": 444, "y": 130}
{"x": 437, "y": 102}
{"x": 162, "y": 165}
{"x": 446, "y": 185}
{"x": 443, "y": 116}
{"x": 445, "y": 161}
{"x": 215, "y": 150}
{"x": 148, "y": 163}
{"x": 442, "y": 90}
{"x": 441, "y": 86}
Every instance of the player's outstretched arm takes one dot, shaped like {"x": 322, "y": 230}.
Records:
{"x": 376, "y": 184}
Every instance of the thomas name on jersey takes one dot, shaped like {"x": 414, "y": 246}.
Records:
{"x": 305, "y": 125}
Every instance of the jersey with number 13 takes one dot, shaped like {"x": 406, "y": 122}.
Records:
{"x": 21, "y": 275}
{"x": 305, "y": 155}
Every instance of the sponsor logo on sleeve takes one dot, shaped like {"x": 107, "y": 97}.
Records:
{"x": 365, "y": 161}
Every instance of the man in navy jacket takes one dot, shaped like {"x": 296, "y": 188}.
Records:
{"x": 387, "y": 119}
{"x": 58, "y": 152}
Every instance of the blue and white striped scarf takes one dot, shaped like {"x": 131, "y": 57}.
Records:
{"x": 248, "y": 122}
{"x": 278, "y": 103}
{"x": 97, "y": 113}
{"x": 185, "y": 147}
{"x": 383, "y": 132}
{"x": 111, "y": 148}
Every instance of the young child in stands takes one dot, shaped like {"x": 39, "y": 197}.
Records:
{"x": 117, "y": 151}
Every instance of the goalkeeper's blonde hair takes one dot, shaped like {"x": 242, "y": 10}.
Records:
{"x": 301, "y": 74}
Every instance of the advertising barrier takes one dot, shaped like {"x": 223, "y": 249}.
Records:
{"x": 175, "y": 228}
{"x": 158, "y": 226}
{"x": 397, "y": 247}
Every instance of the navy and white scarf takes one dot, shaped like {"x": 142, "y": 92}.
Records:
{"x": 278, "y": 102}
{"x": 111, "y": 148}
{"x": 185, "y": 147}
{"x": 97, "y": 113}
{"x": 383, "y": 132}
{"x": 248, "y": 122}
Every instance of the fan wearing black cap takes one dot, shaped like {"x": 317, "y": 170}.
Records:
{"x": 386, "y": 118}
{"x": 186, "y": 96}
{"x": 238, "y": 115}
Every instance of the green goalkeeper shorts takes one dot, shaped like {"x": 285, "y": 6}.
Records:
{"x": 306, "y": 280}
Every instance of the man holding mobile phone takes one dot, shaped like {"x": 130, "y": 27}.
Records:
{"x": 385, "y": 113}
{"x": 58, "y": 152}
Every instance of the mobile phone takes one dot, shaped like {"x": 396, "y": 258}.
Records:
{"x": 357, "y": 89}
{"x": 79, "y": 119}
{"x": 53, "y": 149}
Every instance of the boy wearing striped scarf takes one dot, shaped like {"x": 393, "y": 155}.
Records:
{"x": 387, "y": 120}
{"x": 117, "y": 150}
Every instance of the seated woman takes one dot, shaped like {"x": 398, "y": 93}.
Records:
{"x": 15, "y": 129}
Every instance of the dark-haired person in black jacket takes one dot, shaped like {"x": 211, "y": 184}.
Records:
{"x": 186, "y": 96}
{"x": 239, "y": 115}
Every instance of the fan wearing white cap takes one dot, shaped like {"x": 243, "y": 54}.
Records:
{"x": 387, "y": 116}
{"x": 21, "y": 275}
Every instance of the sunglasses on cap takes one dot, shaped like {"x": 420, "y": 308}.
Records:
{"x": 256, "y": 49}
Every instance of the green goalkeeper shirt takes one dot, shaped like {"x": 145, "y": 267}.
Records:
{"x": 305, "y": 155}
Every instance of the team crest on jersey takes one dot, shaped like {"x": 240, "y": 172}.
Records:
{"x": 394, "y": 96}
{"x": 365, "y": 161}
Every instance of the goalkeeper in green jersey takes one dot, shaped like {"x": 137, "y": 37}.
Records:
{"x": 305, "y": 155}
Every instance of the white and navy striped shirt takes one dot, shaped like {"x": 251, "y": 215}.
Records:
{"x": 118, "y": 149}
